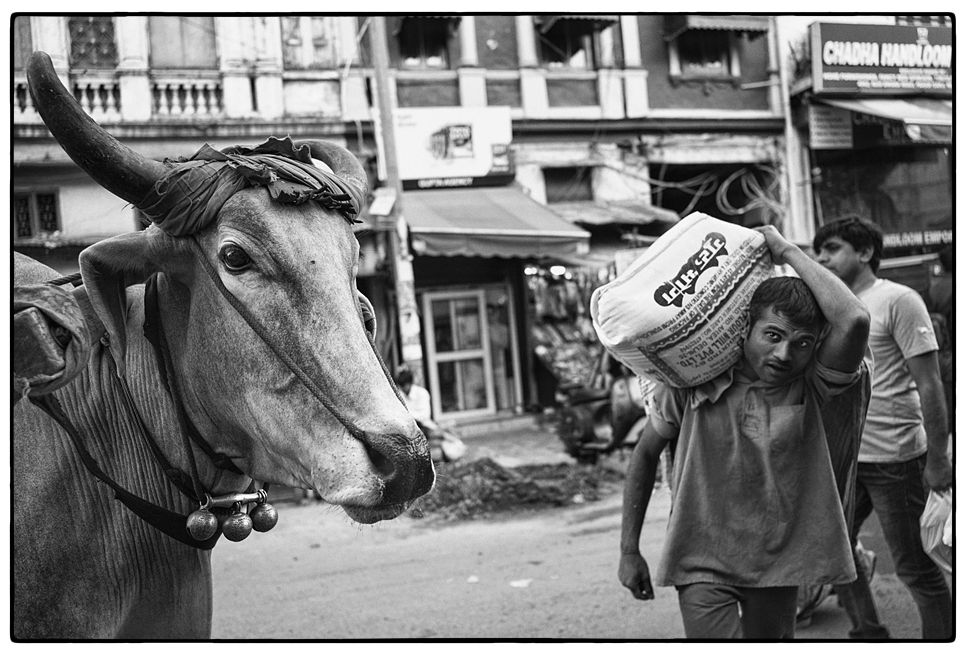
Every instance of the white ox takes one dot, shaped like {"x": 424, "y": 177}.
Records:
{"x": 84, "y": 566}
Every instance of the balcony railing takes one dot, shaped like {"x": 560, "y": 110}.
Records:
{"x": 100, "y": 97}
{"x": 179, "y": 97}
{"x": 23, "y": 105}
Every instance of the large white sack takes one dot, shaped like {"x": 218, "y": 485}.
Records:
{"x": 678, "y": 314}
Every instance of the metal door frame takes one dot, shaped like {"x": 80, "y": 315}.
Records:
{"x": 434, "y": 358}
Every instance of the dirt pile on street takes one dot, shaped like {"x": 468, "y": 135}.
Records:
{"x": 479, "y": 488}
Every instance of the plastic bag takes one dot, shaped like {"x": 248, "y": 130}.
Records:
{"x": 452, "y": 447}
{"x": 936, "y": 523}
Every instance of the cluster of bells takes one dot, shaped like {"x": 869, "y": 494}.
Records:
{"x": 239, "y": 523}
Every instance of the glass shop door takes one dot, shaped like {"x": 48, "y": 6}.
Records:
{"x": 458, "y": 354}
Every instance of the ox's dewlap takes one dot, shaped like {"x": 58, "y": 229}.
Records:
{"x": 678, "y": 313}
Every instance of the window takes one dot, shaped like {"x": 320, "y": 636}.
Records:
{"x": 310, "y": 42}
{"x": 704, "y": 54}
{"x": 35, "y": 215}
{"x": 568, "y": 47}
{"x": 92, "y": 42}
{"x": 182, "y": 42}
{"x": 568, "y": 184}
{"x": 424, "y": 42}
{"x": 571, "y": 41}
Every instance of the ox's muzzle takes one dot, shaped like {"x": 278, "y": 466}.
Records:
{"x": 403, "y": 464}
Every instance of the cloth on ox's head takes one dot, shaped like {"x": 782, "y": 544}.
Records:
{"x": 189, "y": 197}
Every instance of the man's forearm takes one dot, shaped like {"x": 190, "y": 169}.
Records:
{"x": 934, "y": 418}
{"x": 839, "y": 305}
{"x": 640, "y": 479}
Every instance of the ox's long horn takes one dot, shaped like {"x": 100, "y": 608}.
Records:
{"x": 341, "y": 161}
{"x": 115, "y": 167}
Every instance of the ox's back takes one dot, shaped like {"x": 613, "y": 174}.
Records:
{"x": 31, "y": 271}
{"x": 84, "y": 566}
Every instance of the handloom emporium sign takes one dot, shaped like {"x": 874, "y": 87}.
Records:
{"x": 880, "y": 59}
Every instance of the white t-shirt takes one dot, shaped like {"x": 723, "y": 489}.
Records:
{"x": 419, "y": 403}
{"x": 900, "y": 329}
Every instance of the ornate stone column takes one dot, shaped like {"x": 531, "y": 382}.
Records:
{"x": 534, "y": 90}
{"x": 134, "y": 84}
{"x": 634, "y": 75}
{"x": 471, "y": 78}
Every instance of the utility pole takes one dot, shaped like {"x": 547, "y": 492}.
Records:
{"x": 402, "y": 269}
{"x": 797, "y": 227}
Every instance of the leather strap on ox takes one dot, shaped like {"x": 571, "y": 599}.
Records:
{"x": 189, "y": 198}
{"x": 273, "y": 345}
{"x": 169, "y": 522}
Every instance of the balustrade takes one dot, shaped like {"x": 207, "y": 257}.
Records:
{"x": 186, "y": 98}
{"x": 100, "y": 98}
{"x": 23, "y": 105}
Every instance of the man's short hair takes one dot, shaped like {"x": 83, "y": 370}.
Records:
{"x": 404, "y": 376}
{"x": 789, "y": 296}
{"x": 858, "y": 233}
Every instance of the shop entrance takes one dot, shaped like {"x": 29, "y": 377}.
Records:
{"x": 472, "y": 353}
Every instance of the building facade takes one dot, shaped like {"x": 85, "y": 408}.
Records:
{"x": 560, "y": 141}
{"x": 871, "y": 106}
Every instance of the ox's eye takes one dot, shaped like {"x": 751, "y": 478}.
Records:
{"x": 234, "y": 257}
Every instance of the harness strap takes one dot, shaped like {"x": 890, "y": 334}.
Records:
{"x": 187, "y": 486}
{"x": 165, "y": 521}
{"x": 156, "y": 337}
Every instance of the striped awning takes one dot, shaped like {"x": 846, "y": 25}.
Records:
{"x": 926, "y": 120}
{"x": 677, "y": 24}
{"x": 588, "y": 21}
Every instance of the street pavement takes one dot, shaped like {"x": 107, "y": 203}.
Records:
{"x": 548, "y": 575}
{"x": 537, "y": 443}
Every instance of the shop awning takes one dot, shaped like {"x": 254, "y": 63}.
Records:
{"x": 586, "y": 21}
{"x": 396, "y": 23}
{"x": 619, "y": 212}
{"x": 488, "y": 222}
{"x": 676, "y": 24}
{"x": 926, "y": 120}
{"x": 603, "y": 251}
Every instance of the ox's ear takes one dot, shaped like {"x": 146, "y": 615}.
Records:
{"x": 108, "y": 268}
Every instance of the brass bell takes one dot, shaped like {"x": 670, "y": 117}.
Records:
{"x": 264, "y": 517}
{"x": 201, "y": 524}
{"x": 237, "y": 526}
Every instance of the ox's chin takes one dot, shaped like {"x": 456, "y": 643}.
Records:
{"x": 368, "y": 515}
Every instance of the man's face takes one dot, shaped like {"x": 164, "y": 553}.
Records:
{"x": 777, "y": 351}
{"x": 838, "y": 256}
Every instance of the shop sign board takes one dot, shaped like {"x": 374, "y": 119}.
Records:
{"x": 881, "y": 59}
{"x": 830, "y": 128}
{"x": 838, "y": 128}
{"x": 453, "y": 147}
{"x": 932, "y": 238}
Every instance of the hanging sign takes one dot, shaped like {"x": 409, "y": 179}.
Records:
{"x": 830, "y": 128}
{"x": 453, "y": 147}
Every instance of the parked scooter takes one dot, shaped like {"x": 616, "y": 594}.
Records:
{"x": 603, "y": 414}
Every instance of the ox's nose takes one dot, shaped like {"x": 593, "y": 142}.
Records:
{"x": 404, "y": 464}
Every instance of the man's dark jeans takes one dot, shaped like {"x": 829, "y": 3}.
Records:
{"x": 897, "y": 495}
